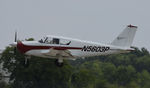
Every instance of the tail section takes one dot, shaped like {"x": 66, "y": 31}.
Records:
{"x": 126, "y": 37}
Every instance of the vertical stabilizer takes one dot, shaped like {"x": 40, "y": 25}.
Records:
{"x": 126, "y": 37}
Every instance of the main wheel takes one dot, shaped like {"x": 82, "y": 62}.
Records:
{"x": 59, "y": 64}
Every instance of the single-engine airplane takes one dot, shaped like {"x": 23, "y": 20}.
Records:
{"x": 62, "y": 48}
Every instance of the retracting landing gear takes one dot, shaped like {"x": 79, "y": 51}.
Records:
{"x": 59, "y": 62}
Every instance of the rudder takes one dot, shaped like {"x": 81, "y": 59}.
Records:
{"x": 126, "y": 37}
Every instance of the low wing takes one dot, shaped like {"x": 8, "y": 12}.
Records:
{"x": 58, "y": 53}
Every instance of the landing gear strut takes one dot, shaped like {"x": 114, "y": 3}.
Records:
{"x": 59, "y": 62}
{"x": 26, "y": 62}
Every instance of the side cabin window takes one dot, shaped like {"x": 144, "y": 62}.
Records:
{"x": 55, "y": 41}
{"x": 64, "y": 42}
{"x": 51, "y": 41}
{"x": 48, "y": 40}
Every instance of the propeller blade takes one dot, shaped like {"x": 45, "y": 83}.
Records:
{"x": 15, "y": 36}
{"x": 15, "y": 48}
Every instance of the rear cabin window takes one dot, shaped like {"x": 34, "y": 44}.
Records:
{"x": 64, "y": 42}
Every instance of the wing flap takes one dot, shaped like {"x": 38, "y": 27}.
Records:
{"x": 58, "y": 53}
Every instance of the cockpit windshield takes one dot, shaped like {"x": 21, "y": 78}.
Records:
{"x": 43, "y": 40}
{"x": 49, "y": 40}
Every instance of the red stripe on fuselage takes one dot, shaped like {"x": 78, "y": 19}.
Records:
{"x": 24, "y": 48}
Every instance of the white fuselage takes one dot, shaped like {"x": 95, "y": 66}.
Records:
{"x": 67, "y": 48}
{"x": 76, "y": 49}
